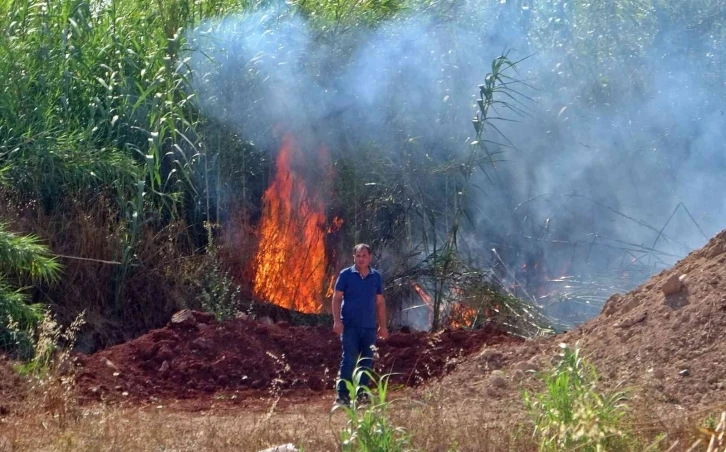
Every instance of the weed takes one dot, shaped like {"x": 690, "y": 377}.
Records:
{"x": 369, "y": 428}
{"x": 52, "y": 347}
{"x": 51, "y": 369}
{"x": 218, "y": 292}
{"x": 570, "y": 412}
{"x": 23, "y": 257}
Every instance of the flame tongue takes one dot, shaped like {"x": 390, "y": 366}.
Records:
{"x": 460, "y": 315}
{"x": 290, "y": 262}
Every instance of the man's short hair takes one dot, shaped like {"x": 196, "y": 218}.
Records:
{"x": 362, "y": 246}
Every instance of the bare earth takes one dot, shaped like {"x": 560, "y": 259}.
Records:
{"x": 200, "y": 361}
{"x": 668, "y": 351}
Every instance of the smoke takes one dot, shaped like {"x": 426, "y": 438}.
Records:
{"x": 618, "y": 165}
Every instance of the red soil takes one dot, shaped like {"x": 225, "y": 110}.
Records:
{"x": 244, "y": 358}
{"x": 667, "y": 348}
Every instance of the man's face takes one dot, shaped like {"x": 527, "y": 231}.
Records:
{"x": 362, "y": 258}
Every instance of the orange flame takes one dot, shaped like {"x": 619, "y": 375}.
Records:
{"x": 331, "y": 287}
{"x": 426, "y": 298}
{"x": 335, "y": 225}
{"x": 290, "y": 262}
{"x": 462, "y": 316}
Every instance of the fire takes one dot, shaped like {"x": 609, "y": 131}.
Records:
{"x": 335, "y": 225}
{"x": 331, "y": 287}
{"x": 462, "y": 316}
{"x": 290, "y": 262}
{"x": 426, "y": 298}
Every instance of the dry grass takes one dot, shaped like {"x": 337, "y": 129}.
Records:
{"x": 466, "y": 424}
{"x": 104, "y": 428}
{"x": 445, "y": 416}
{"x": 150, "y": 429}
{"x": 698, "y": 431}
{"x": 88, "y": 238}
{"x": 50, "y": 420}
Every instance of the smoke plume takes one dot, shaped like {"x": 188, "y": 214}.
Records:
{"x": 617, "y": 166}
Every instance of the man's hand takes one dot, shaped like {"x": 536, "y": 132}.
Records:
{"x": 383, "y": 332}
{"x": 338, "y": 327}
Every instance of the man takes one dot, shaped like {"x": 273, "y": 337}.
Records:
{"x": 359, "y": 316}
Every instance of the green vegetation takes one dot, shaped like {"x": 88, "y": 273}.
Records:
{"x": 52, "y": 346}
{"x": 369, "y": 427}
{"x": 571, "y": 413}
{"x": 218, "y": 292}
{"x": 22, "y": 258}
{"x": 107, "y": 155}
{"x": 96, "y": 112}
{"x": 123, "y": 198}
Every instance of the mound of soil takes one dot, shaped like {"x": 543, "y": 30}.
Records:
{"x": 194, "y": 356}
{"x": 667, "y": 338}
{"x": 665, "y": 342}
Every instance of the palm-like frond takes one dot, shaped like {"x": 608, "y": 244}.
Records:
{"x": 26, "y": 256}
{"x": 15, "y": 308}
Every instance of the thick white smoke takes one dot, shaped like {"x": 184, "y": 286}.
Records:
{"x": 613, "y": 145}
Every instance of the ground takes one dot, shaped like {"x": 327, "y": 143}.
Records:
{"x": 664, "y": 343}
{"x": 669, "y": 351}
{"x": 202, "y": 361}
{"x": 12, "y": 388}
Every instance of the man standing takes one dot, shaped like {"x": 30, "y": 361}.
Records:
{"x": 359, "y": 316}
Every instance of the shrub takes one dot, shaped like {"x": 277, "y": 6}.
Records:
{"x": 369, "y": 428}
{"x": 218, "y": 292}
{"x": 569, "y": 412}
{"x": 22, "y": 258}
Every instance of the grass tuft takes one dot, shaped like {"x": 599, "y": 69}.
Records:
{"x": 570, "y": 412}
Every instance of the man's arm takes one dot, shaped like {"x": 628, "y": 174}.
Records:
{"x": 381, "y": 314}
{"x": 337, "y": 302}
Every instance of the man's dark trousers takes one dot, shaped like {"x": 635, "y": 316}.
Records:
{"x": 356, "y": 342}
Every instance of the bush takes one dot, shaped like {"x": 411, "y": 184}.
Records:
{"x": 22, "y": 258}
{"x": 570, "y": 412}
{"x": 218, "y": 292}
{"x": 369, "y": 428}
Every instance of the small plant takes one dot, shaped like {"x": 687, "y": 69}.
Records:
{"x": 51, "y": 370}
{"x": 52, "y": 347}
{"x": 219, "y": 294}
{"x": 369, "y": 428}
{"x": 570, "y": 412}
{"x": 710, "y": 423}
{"x": 22, "y": 258}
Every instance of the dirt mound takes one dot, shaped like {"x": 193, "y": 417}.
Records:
{"x": 13, "y": 388}
{"x": 665, "y": 341}
{"x": 194, "y": 356}
{"x": 667, "y": 338}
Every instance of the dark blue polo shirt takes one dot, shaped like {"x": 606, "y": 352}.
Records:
{"x": 359, "y": 297}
